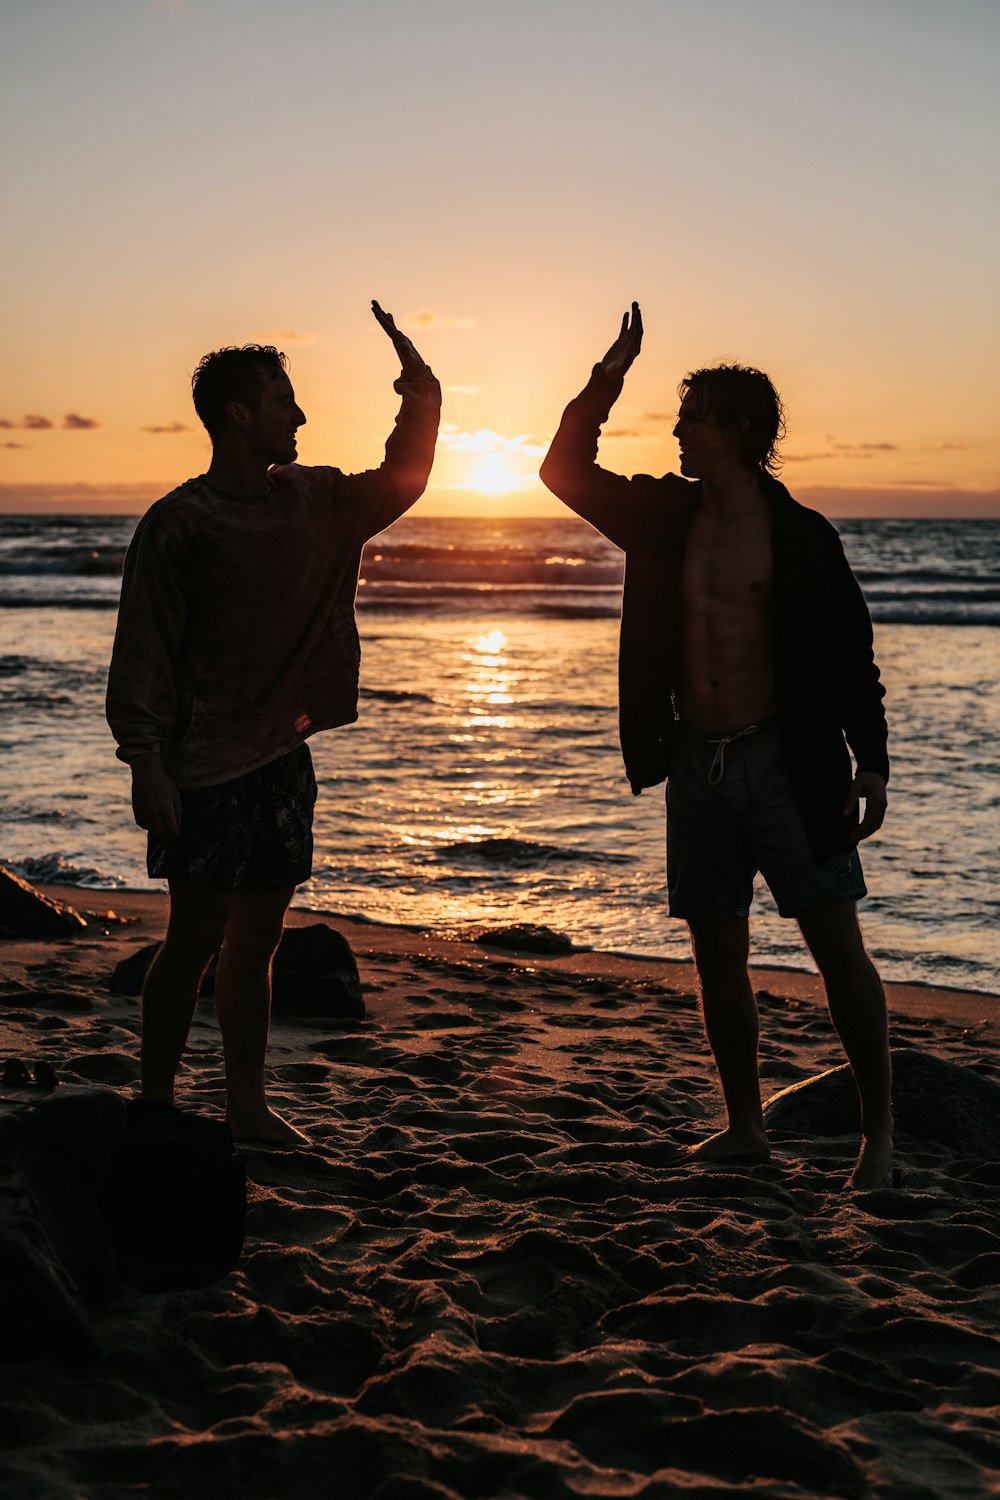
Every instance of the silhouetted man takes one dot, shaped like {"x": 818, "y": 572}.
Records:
{"x": 746, "y": 658}
{"x": 236, "y": 641}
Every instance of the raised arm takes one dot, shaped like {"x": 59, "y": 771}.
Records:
{"x": 382, "y": 495}
{"x": 570, "y": 469}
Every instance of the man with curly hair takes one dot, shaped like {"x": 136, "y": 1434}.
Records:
{"x": 236, "y": 641}
{"x": 746, "y": 671}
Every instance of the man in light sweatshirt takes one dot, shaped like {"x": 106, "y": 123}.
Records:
{"x": 746, "y": 671}
{"x": 236, "y": 641}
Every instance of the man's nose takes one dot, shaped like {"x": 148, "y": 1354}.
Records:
{"x": 300, "y": 417}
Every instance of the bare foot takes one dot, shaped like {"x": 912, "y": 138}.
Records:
{"x": 732, "y": 1145}
{"x": 262, "y": 1127}
{"x": 874, "y": 1164}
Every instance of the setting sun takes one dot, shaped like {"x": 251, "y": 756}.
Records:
{"x": 494, "y": 474}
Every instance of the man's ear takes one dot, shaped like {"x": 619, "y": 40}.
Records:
{"x": 744, "y": 426}
{"x": 238, "y": 414}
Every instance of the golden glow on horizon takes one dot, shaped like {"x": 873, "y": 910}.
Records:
{"x": 494, "y": 474}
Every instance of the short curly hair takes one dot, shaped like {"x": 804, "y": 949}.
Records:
{"x": 736, "y": 393}
{"x": 233, "y": 374}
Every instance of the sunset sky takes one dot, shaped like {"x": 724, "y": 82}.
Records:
{"x": 809, "y": 187}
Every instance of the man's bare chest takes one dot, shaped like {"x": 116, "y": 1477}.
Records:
{"x": 729, "y": 567}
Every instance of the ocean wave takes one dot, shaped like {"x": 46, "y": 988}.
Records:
{"x": 520, "y": 853}
{"x": 71, "y": 561}
{"x": 53, "y": 869}
{"x": 395, "y": 695}
{"x": 63, "y": 601}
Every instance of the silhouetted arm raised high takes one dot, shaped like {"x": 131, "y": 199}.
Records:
{"x": 382, "y": 495}
{"x": 616, "y": 505}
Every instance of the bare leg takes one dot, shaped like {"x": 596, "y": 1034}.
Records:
{"x": 170, "y": 993}
{"x": 857, "y": 1007}
{"x": 243, "y": 1004}
{"x": 721, "y": 949}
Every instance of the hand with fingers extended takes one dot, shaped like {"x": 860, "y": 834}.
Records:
{"x": 626, "y": 346}
{"x": 410, "y": 360}
{"x": 869, "y": 787}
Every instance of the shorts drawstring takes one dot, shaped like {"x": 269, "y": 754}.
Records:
{"x": 717, "y": 769}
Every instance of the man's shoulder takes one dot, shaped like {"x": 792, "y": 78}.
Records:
{"x": 306, "y": 479}
{"x": 170, "y": 508}
{"x": 791, "y": 515}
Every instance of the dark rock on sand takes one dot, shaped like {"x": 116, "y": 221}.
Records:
{"x": 26, "y": 913}
{"x": 56, "y": 1258}
{"x": 315, "y": 974}
{"x": 524, "y": 937}
{"x": 933, "y": 1101}
{"x": 130, "y": 973}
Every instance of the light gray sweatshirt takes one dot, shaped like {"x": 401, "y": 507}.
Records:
{"x": 236, "y": 636}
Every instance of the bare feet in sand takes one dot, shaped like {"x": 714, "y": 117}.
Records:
{"x": 732, "y": 1145}
{"x": 262, "y": 1127}
{"x": 874, "y": 1164}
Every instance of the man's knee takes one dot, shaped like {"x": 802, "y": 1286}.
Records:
{"x": 721, "y": 947}
{"x": 834, "y": 938}
{"x": 197, "y": 922}
{"x": 256, "y": 923}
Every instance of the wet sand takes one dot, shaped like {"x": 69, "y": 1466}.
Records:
{"x": 494, "y": 1272}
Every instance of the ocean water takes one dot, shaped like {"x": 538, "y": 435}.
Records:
{"x": 483, "y": 783}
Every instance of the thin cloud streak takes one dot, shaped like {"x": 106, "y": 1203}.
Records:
{"x": 484, "y": 440}
{"x": 289, "y": 336}
{"x": 168, "y": 427}
{"x": 73, "y": 422}
{"x": 428, "y": 319}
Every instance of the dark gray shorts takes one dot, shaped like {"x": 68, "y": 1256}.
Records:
{"x": 730, "y": 813}
{"x": 250, "y": 834}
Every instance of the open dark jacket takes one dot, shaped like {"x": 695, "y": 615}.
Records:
{"x": 826, "y": 682}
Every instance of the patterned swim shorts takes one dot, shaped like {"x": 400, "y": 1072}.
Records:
{"x": 253, "y": 833}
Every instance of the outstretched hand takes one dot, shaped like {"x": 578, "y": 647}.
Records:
{"x": 869, "y": 786}
{"x": 408, "y": 357}
{"x": 626, "y": 346}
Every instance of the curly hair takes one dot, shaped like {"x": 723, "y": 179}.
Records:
{"x": 233, "y": 374}
{"x": 737, "y": 393}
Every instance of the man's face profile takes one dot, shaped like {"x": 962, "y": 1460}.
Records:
{"x": 705, "y": 445}
{"x": 271, "y": 423}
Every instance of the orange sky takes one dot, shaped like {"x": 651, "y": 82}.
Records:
{"x": 809, "y": 189}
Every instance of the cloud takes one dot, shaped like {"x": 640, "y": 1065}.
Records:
{"x": 484, "y": 440}
{"x": 946, "y": 448}
{"x": 660, "y": 416}
{"x": 34, "y": 423}
{"x": 865, "y": 447}
{"x": 462, "y": 390}
{"x": 75, "y": 423}
{"x": 168, "y": 427}
{"x": 15, "y": 445}
{"x": 804, "y": 458}
{"x": 427, "y": 319}
{"x": 625, "y": 432}
{"x": 289, "y": 336}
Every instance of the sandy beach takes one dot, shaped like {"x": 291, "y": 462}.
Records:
{"x": 494, "y": 1272}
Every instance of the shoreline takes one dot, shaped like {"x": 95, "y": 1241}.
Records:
{"x": 370, "y": 936}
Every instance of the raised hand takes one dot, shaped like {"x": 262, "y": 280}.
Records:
{"x": 626, "y": 346}
{"x": 408, "y": 357}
